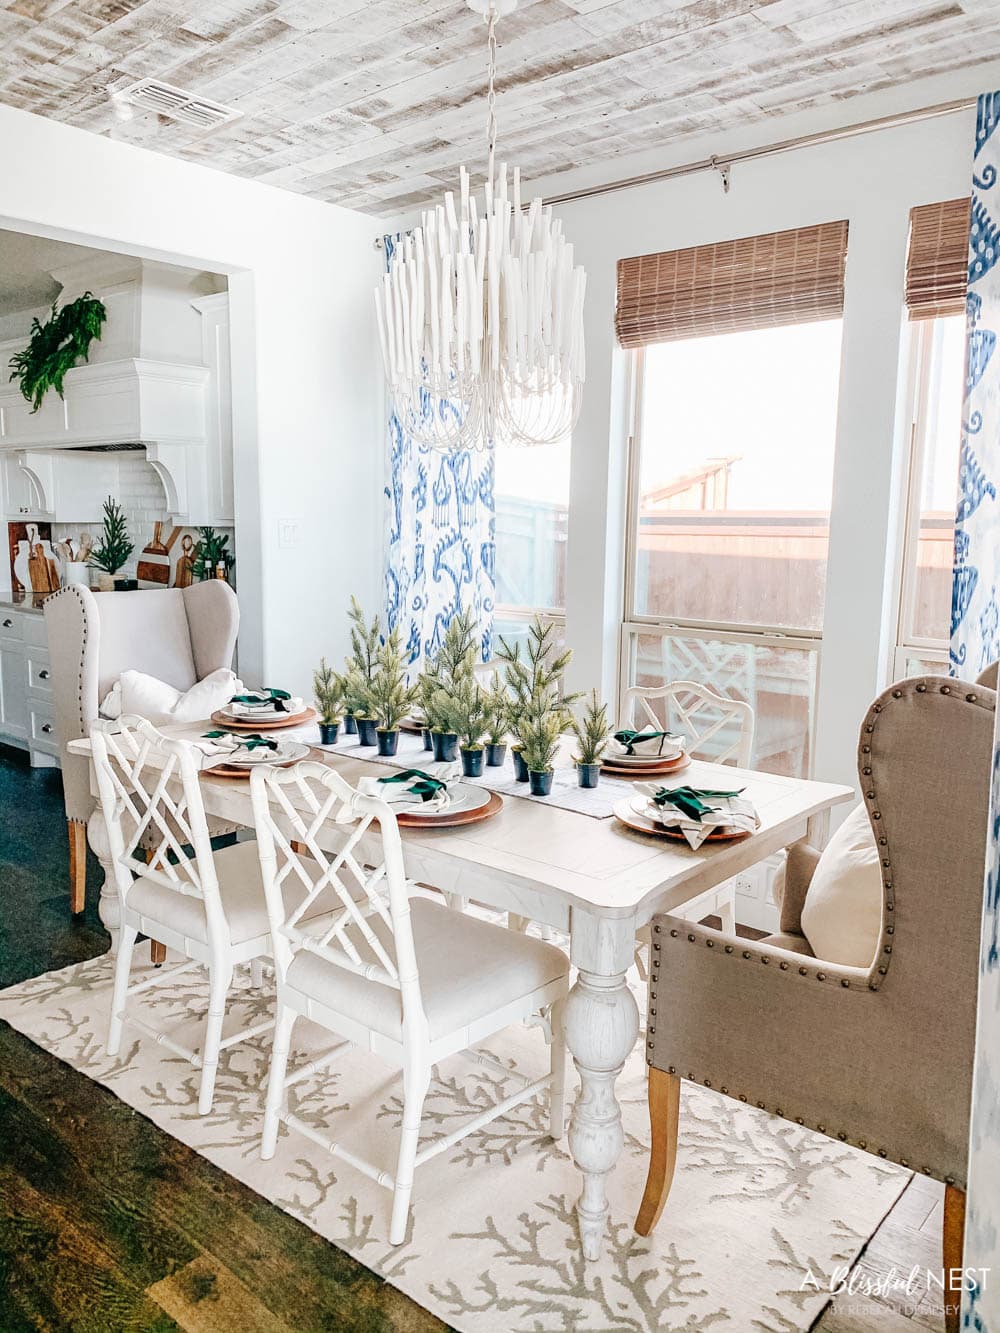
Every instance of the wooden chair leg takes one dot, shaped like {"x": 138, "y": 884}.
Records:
{"x": 77, "y": 832}
{"x": 157, "y": 951}
{"x": 664, "y": 1121}
{"x": 952, "y": 1242}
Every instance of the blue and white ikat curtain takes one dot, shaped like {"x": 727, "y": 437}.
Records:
{"x": 440, "y": 538}
{"x": 975, "y": 611}
{"x": 975, "y": 643}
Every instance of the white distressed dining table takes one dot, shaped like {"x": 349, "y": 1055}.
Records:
{"x": 594, "y": 879}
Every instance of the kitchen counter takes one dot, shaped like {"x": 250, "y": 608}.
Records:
{"x": 14, "y": 604}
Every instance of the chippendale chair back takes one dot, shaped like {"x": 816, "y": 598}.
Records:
{"x": 717, "y": 727}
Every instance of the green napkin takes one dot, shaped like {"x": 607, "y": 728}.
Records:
{"x": 251, "y": 741}
{"x": 425, "y": 786}
{"x": 691, "y": 801}
{"x": 267, "y": 695}
{"x": 628, "y": 737}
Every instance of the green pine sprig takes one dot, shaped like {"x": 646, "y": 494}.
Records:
{"x": 56, "y": 346}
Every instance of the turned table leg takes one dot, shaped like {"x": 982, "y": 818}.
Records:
{"x": 602, "y": 1023}
{"x": 109, "y": 905}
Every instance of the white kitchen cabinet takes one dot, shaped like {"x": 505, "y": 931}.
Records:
{"x": 21, "y": 498}
{"x": 13, "y": 692}
{"x": 26, "y": 712}
{"x": 217, "y": 498}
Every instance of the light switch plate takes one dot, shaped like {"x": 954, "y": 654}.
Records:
{"x": 289, "y": 534}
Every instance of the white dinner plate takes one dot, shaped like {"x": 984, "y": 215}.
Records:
{"x": 463, "y": 797}
{"x": 642, "y": 760}
{"x": 266, "y": 713}
{"x": 286, "y": 753}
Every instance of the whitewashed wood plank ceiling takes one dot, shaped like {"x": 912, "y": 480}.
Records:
{"x": 374, "y": 103}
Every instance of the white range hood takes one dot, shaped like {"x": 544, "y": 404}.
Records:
{"x": 148, "y": 383}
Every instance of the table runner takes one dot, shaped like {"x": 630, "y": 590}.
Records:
{"x": 597, "y": 802}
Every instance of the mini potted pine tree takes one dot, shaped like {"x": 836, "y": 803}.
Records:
{"x": 114, "y": 548}
{"x": 328, "y": 688}
{"x": 470, "y": 700}
{"x": 497, "y": 722}
{"x": 361, "y": 667}
{"x": 592, "y": 732}
{"x": 389, "y": 693}
{"x": 541, "y": 726}
{"x": 442, "y": 678}
{"x": 537, "y": 672}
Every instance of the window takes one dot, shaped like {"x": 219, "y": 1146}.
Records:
{"x": 730, "y": 515}
{"x": 937, "y": 366}
{"x": 936, "y": 278}
{"x": 737, "y": 367}
{"x": 531, "y": 489}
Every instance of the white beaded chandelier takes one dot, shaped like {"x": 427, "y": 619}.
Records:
{"x": 480, "y": 314}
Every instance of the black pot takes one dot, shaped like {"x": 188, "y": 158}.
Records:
{"x": 495, "y": 755}
{"x": 387, "y": 742}
{"x": 445, "y": 746}
{"x": 328, "y": 732}
{"x": 587, "y": 774}
{"x": 428, "y": 736}
{"x": 350, "y": 726}
{"x": 472, "y": 763}
{"x": 366, "y": 730}
{"x": 540, "y": 782}
{"x": 126, "y": 585}
{"x": 520, "y": 767}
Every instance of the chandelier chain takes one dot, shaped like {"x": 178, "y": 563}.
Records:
{"x": 491, "y": 95}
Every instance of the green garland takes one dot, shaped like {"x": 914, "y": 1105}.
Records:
{"x": 56, "y": 346}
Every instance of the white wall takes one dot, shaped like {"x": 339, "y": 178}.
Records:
{"x": 308, "y": 406}
{"x": 873, "y": 181}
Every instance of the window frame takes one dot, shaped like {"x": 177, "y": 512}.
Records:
{"x": 918, "y": 388}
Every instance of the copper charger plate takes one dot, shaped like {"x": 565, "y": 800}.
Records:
{"x": 451, "y": 819}
{"x": 241, "y": 770}
{"x": 636, "y": 771}
{"x": 624, "y": 813}
{"x": 270, "y": 724}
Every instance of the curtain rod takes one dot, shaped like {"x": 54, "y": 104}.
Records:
{"x": 724, "y": 163}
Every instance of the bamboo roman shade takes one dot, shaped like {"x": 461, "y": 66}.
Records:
{"x": 937, "y": 262}
{"x": 757, "y": 282}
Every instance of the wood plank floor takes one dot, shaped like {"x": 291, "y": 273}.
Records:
{"x": 107, "y": 1223}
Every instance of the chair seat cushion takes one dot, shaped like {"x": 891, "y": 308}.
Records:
{"x": 842, "y": 912}
{"x": 468, "y": 968}
{"x": 241, "y": 890}
{"x": 790, "y": 941}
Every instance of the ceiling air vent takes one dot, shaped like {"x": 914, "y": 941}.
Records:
{"x": 166, "y": 100}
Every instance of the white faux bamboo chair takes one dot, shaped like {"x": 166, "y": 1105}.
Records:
{"x": 401, "y": 976}
{"x": 701, "y": 715}
{"x": 207, "y": 905}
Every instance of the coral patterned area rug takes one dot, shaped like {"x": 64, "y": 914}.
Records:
{"x": 761, "y": 1217}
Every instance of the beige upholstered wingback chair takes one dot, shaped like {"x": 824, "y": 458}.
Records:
{"x": 880, "y": 1057}
{"x": 178, "y": 635}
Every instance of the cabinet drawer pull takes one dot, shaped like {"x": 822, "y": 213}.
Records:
{"x": 47, "y": 727}
{"x": 7, "y": 623}
{"x": 43, "y": 674}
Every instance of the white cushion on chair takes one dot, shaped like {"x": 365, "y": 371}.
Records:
{"x": 242, "y": 893}
{"x": 158, "y": 702}
{"x": 842, "y": 912}
{"x": 468, "y": 968}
